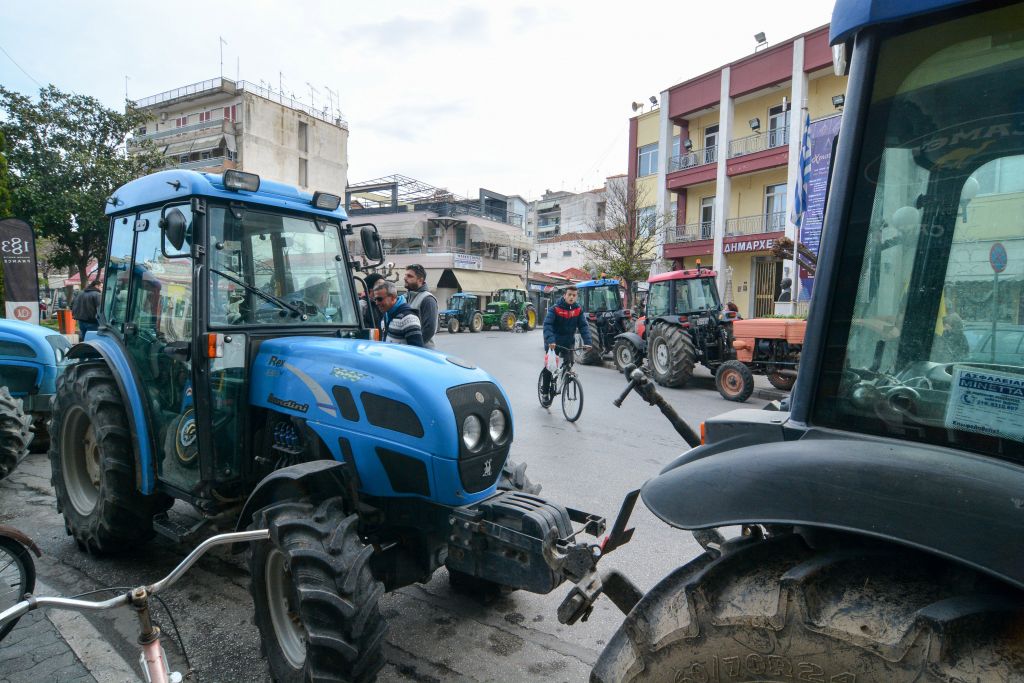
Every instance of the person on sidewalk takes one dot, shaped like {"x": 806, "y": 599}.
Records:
{"x": 398, "y": 322}
{"x": 422, "y": 301}
{"x": 86, "y": 308}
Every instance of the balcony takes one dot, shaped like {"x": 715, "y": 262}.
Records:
{"x": 759, "y": 142}
{"x": 445, "y": 209}
{"x": 755, "y": 225}
{"x": 691, "y": 232}
{"x": 212, "y": 162}
{"x": 548, "y": 228}
{"x": 693, "y": 159}
{"x": 216, "y": 125}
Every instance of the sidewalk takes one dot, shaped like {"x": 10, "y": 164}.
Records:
{"x": 35, "y": 652}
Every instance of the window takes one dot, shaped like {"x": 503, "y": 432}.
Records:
{"x": 778, "y": 126}
{"x": 707, "y": 218}
{"x": 675, "y": 146}
{"x": 567, "y": 252}
{"x": 657, "y": 299}
{"x": 303, "y": 173}
{"x": 647, "y": 157}
{"x": 774, "y": 207}
{"x": 204, "y": 155}
{"x": 205, "y": 116}
{"x": 183, "y": 159}
{"x": 141, "y": 130}
{"x": 543, "y": 254}
{"x": 229, "y": 113}
{"x": 181, "y": 121}
{"x": 646, "y": 221}
{"x": 303, "y": 137}
{"x": 710, "y": 144}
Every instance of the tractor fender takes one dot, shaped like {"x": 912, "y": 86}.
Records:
{"x": 109, "y": 349}
{"x": 317, "y": 480}
{"x": 633, "y": 338}
{"x": 947, "y": 502}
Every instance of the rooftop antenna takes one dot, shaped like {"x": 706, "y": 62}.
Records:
{"x": 280, "y": 87}
{"x": 312, "y": 101}
{"x": 330, "y": 96}
{"x": 222, "y": 44}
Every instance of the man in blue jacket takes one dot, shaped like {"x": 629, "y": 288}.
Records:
{"x": 561, "y": 324}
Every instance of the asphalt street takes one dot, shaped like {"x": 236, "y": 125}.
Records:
{"x": 434, "y": 634}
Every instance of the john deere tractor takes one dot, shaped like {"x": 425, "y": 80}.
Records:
{"x": 874, "y": 531}
{"x": 518, "y": 302}
{"x": 231, "y": 372}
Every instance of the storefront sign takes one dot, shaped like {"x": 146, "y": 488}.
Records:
{"x": 749, "y": 245}
{"x": 823, "y": 132}
{"x": 18, "y": 252}
{"x": 468, "y": 262}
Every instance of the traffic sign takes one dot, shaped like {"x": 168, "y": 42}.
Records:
{"x": 997, "y": 257}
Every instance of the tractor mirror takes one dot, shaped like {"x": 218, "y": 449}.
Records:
{"x": 174, "y": 224}
{"x": 371, "y": 242}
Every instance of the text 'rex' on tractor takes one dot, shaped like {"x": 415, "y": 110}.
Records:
{"x": 231, "y": 371}
{"x": 882, "y": 516}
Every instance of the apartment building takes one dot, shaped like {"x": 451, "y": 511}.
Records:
{"x": 466, "y": 245}
{"x": 721, "y": 156}
{"x": 220, "y": 124}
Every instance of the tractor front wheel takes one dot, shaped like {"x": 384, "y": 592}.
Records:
{"x": 508, "y": 321}
{"x": 92, "y": 465}
{"x": 476, "y": 323}
{"x": 779, "y": 610}
{"x": 453, "y": 325}
{"x": 315, "y": 597}
{"x": 15, "y": 432}
{"x": 672, "y": 355}
{"x": 531, "y": 319}
{"x": 734, "y": 381}
{"x": 625, "y": 354}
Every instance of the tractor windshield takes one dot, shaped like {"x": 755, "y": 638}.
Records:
{"x": 603, "y": 298}
{"x": 276, "y": 269}
{"x": 926, "y": 336}
{"x": 457, "y": 303}
{"x": 696, "y": 294}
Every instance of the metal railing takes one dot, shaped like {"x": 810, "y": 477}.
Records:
{"x": 758, "y": 142}
{"x": 225, "y": 125}
{"x": 494, "y": 253}
{"x": 693, "y": 158}
{"x": 212, "y": 162}
{"x": 445, "y": 210}
{"x": 753, "y": 225}
{"x": 183, "y": 91}
{"x": 691, "y": 232}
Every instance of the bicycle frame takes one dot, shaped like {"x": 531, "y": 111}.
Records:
{"x": 152, "y": 659}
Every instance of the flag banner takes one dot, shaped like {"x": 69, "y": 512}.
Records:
{"x": 21, "y": 284}
{"x": 820, "y": 135}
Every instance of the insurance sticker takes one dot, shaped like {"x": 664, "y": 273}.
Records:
{"x": 986, "y": 402}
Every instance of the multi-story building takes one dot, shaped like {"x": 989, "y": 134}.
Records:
{"x": 560, "y": 212}
{"x": 721, "y": 155}
{"x": 222, "y": 124}
{"x": 466, "y": 245}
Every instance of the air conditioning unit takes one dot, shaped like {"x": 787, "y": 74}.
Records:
{"x": 163, "y": 116}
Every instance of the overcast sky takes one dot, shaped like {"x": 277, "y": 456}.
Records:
{"x": 517, "y": 97}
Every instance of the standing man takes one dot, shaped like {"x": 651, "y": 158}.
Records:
{"x": 561, "y": 324}
{"x": 421, "y": 301}
{"x": 86, "y": 308}
{"x": 398, "y": 322}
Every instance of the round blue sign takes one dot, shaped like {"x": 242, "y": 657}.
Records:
{"x": 997, "y": 257}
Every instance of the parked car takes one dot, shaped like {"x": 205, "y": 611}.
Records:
{"x": 1009, "y": 346}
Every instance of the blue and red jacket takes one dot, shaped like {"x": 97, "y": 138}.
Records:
{"x": 562, "y": 323}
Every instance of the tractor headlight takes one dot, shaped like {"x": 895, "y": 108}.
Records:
{"x": 472, "y": 431}
{"x": 496, "y": 426}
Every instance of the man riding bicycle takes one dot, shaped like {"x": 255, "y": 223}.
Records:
{"x": 562, "y": 322}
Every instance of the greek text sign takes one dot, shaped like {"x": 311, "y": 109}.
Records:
{"x": 986, "y": 402}
{"x": 748, "y": 245}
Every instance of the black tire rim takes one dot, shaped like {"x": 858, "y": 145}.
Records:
{"x": 80, "y": 461}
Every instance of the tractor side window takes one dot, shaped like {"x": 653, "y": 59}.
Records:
{"x": 925, "y": 335}
{"x": 118, "y": 273}
{"x": 163, "y": 287}
{"x": 658, "y": 300}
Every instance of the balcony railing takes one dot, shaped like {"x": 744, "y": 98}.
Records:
{"x": 212, "y": 162}
{"x": 445, "y": 210}
{"x": 495, "y": 253}
{"x": 759, "y": 142}
{"x": 226, "y": 126}
{"x": 691, "y": 232}
{"x": 753, "y": 225}
{"x": 693, "y": 158}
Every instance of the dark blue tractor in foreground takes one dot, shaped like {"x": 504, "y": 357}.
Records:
{"x": 231, "y": 372}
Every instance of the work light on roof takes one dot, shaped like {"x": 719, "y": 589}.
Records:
{"x": 240, "y": 180}
{"x": 325, "y": 201}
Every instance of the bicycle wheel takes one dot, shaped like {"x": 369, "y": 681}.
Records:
{"x": 545, "y": 397}
{"x": 572, "y": 399}
{"x": 17, "y": 577}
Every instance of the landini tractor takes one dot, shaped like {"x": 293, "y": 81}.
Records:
{"x": 231, "y": 372}
{"x": 882, "y": 516}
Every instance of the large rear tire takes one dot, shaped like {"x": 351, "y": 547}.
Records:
{"x": 93, "y": 467}
{"x": 15, "y": 432}
{"x": 531, "y": 319}
{"x": 778, "y": 610}
{"x": 593, "y": 355}
{"x": 671, "y": 355}
{"x": 734, "y": 381}
{"x": 315, "y": 597}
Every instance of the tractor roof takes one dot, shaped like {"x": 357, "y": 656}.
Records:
{"x": 464, "y": 295}
{"x": 598, "y": 283}
{"x": 168, "y": 186}
{"x": 850, "y": 16}
{"x": 691, "y": 274}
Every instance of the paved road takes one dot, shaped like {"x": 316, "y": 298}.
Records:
{"x": 433, "y": 634}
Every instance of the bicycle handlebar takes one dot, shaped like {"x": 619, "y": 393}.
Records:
{"x": 32, "y": 602}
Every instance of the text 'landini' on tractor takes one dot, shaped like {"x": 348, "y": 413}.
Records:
{"x": 231, "y": 372}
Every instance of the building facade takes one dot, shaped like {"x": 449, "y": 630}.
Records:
{"x": 474, "y": 246}
{"x": 222, "y": 124}
{"x": 721, "y": 157}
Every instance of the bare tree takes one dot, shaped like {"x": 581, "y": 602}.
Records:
{"x": 627, "y": 243}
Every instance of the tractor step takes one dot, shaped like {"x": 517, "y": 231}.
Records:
{"x": 175, "y": 530}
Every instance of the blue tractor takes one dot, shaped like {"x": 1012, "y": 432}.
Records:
{"x": 231, "y": 371}
{"x": 607, "y": 316}
{"x": 31, "y": 357}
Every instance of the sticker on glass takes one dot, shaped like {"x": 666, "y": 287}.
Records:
{"x": 986, "y": 402}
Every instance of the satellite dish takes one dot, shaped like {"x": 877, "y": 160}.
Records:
{"x": 637, "y": 105}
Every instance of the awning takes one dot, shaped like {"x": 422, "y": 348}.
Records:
{"x": 498, "y": 237}
{"x": 433, "y": 277}
{"x": 482, "y": 282}
{"x": 408, "y": 229}
{"x": 204, "y": 144}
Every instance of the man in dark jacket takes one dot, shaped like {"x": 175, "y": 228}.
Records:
{"x": 86, "y": 308}
{"x": 422, "y": 301}
{"x": 561, "y": 324}
{"x": 398, "y": 322}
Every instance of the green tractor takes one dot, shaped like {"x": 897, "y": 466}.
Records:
{"x": 509, "y": 306}
{"x": 462, "y": 314}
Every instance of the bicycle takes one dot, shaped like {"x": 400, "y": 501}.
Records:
{"x": 152, "y": 659}
{"x": 17, "y": 571}
{"x": 565, "y": 383}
